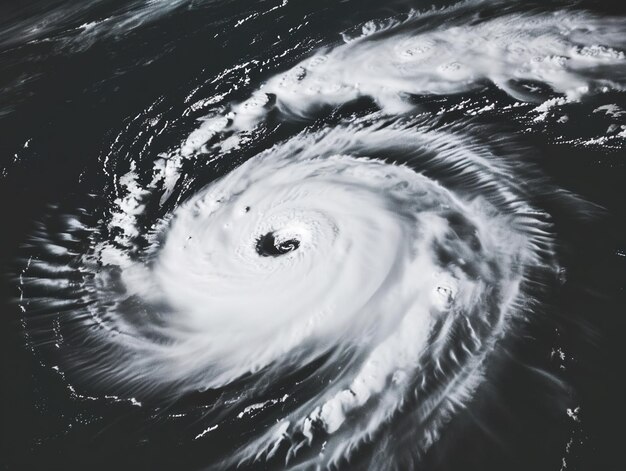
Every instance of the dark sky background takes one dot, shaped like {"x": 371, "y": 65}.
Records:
{"x": 69, "y": 100}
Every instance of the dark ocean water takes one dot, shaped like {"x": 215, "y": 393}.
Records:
{"x": 115, "y": 115}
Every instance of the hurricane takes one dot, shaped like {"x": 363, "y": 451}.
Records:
{"x": 320, "y": 253}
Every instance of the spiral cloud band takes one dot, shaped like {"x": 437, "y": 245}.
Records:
{"x": 442, "y": 53}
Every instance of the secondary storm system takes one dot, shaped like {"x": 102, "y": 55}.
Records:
{"x": 353, "y": 279}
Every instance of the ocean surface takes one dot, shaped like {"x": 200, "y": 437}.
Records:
{"x": 279, "y": 234}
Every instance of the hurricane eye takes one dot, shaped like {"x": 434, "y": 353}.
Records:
{"x": 269, "y": 246}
